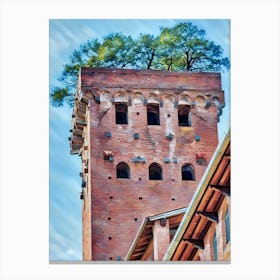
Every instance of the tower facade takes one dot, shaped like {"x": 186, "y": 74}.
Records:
{"x": 145, "y": 139}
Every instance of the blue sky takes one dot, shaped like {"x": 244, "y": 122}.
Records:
{"x": 64, "y": 180}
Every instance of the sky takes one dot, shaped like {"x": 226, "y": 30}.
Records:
{"x": 65, "y": 231}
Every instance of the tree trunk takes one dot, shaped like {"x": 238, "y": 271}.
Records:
{"x": 188, "y": 60}
{"x": 151, "y": 60}
{"x": 170, "y": 64}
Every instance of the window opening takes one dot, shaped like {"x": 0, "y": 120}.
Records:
{"x": 123, "y": 170}
{"x": 227, "y": 227}
{"x": 215, "y": 247}
{"x": 184, "y": 115}
{"x": 188, "y": 173}
{"x": 121, "y": 113}
{"x": 153, "y": 114}
{"x": 155, "y": 172}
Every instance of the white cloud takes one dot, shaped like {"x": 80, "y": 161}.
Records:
{"x": 60, "y": 249}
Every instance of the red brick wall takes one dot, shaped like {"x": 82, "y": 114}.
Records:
{"x": 116, "y": 208}
{"x": 86, "y": 176}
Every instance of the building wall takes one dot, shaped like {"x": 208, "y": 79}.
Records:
{"x": 86, "y": 192}
{"x": 223, "y": 247}
{"x": 114, "y": 208}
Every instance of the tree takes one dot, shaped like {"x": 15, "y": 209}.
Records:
{"x": 145, "y": 51}
{"x": 116, "y": 51}
{"x": 183, "y": 47}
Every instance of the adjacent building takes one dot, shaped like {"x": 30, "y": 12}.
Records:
{"x": 199, "y": 232}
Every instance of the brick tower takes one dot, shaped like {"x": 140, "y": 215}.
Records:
{"x": 145, "y": 139}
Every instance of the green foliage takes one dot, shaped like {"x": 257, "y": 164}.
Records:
{"x": 145, "y": 48}
{"x": 183, "y": 47}
{"x": 58, "y": 95}
{"x": 116, "y": 51}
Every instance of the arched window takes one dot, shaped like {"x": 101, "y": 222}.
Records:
{"x": 121, "y": 113}
{"x": 188, "y": 173}
{"x": 123, "y": 170}
{"x": 155, "y": 172}
{"x": 184, "y": 115}
{"x": 153, "y": 114}
{"x": 227, "y": 227}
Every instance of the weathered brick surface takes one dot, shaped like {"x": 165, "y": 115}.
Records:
{"x": 161, "y": 239}
{"x": 98, "y": 77}
{"x": 223, "y": 248}
{"x": 113, "y": 210}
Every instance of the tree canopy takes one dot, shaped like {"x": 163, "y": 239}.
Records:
{"x": 183, "y": 47}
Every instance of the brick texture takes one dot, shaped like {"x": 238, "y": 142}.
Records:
{"x": 114, "y": 208}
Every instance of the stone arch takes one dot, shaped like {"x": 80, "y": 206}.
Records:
{"x": 121, "y": 97}
{"x": 169, "y": 98}
{"x": 121, "y": 108}
{"x": 168, "y": 101}
{"x": 200, "y": 100}
{"x": 137, "y": 98}
{"x": 153, "y": 98}
{"x": 184, "y": 100}
{"x": 105, "y": 96}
